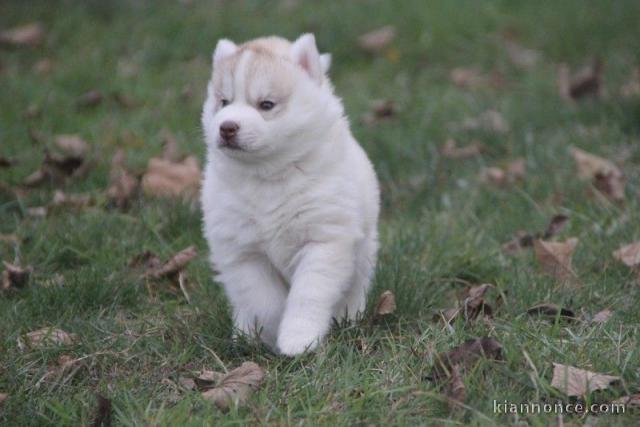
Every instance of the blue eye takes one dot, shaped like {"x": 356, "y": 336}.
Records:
{"x": 266, "y": 105}
{"x": 225, "y": 102}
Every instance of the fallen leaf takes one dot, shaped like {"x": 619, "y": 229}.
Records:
{"x": 555, "y": 257}
{"x": 187, "y": 383}
{"x": 165, "y": 178}
{"x": 470, "y": 305}
{"x": 456, "y": 390}
{"x": 611, "y": 185}
{"x": 586, "y": 82}
{"x": 207, "y": 379}
{"x": 147, "y": 260}
{"x": 3, "y": 397}
{"x": 521, "y": 56}
{"x": 32, "y": 111}
{"x": 377, "y": 40}
{"x": 175, "y": 264}
{"x": 37, "y": 211}
{"x": 604, "y": 174}
{"x": 632, "y": 87}
{"x": 589, "y": 165}
{"x": 631, "y": 400}
{"x": 43, "y": 66}
{"x": 557, "y": 223}
{"x": 236, "y": 386}
{"x": 170, "y": 146}
{"x": 72, "y": 145}
{"x": 74, "y": 201}
{"x": 6, "y": 163}
{"x": 103, "y": 413}
{"x": 579, "y": 382}
{"x": 386, "y": 303}
{"x": 468, "y": 78}
{"x": 629, "y": 254}
{"x": 514, "y": 171}
{"x": 15, "y": 277}
{"x": 450, "y": 149}
{"x": 490, "y": 121}
{"x": 90, "y": 98}
{"x": 11, "y": 238}
{"x": 602, "y": 316}
{"x": 379, "y": 110}
{"x": 523, "y": 239}
{"x": 123, "y": 185}
{"x": 58, "y": 167}
{"x": 124, "y": 100}
{"x": 28, "y": 35}
{"x": 45, "y": 337}
{"x": 465, "y": 355}
{"x": 552, "y": 311}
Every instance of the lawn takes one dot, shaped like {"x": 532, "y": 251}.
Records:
{"x": 442, "y": 227}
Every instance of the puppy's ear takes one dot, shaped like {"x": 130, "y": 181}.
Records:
{"x": 224, "y": 49}
{"x": 325, "y": 62}
{"x": 305, "y": 53}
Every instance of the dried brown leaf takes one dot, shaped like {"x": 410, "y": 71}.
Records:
{"x": 32, "y": 111}
{"x": 377, "y": 40}
{"x": 521, "y": 56}
{"x": 611, "y": 185}
{"x": 6, "y": 163}
{"x": 379, "y": 110}
{"x": 74, "y": 201}
{"x": 165, "y": 178}
{"x": 45, "y": 337}
{"x": 14, "y": 276}
{"x": 631, "y": 400}
{"x": 489, "y": 121}
{"x": 450, "y": 149}
{"x": 552, "y": 311}
{"x": 468, "y": 78}
{"x": 123, "y": 185}
{"x": 557, "y": 223}
{"x": 579, "y": 382}
{"x": 90, "y": 98}
{"x": 465, "y": 355}
{"x": 72, "y": 145}
{"x": 175, "y": 264}
{"x": 456, "y": 390}
{"x": 3, "y": 397}
{"x": 170, "y": 147}
{"x": 43, "y": 66}
{"x": 602, "y": 316}
{"x": 207, "y": 379}
{"x": 124, "y": 100}
{"x": 629, "y": 254}
{"x": 386, "y": 303}
{"x": 28, "y": 35}
{"x": 103, "y": 413}
{"x": 632, "y": 87}
{"x": 236, "y": 386}
{"x": 555, "y": 257}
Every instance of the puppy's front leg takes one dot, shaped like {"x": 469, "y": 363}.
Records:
{"x": 318, "y": 284}
{"x": 257, "y": 295}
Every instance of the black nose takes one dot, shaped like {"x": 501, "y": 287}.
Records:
{"x": 228, "y": 130}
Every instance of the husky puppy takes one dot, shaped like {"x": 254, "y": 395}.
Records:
{"x": 290, "y": 199}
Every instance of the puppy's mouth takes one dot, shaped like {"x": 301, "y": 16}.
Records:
{"x": 232, "y": 145}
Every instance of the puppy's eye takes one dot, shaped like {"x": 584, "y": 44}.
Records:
{"x": 225, "y": 102}
{"x": 266, "y": 105}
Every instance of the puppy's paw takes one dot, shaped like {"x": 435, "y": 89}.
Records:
{"x": 293, "y": 343}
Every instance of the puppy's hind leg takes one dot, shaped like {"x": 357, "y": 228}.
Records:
{"x": 257, "y": 295}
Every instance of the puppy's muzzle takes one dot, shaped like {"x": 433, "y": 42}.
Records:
{"x": 229, "y": 134}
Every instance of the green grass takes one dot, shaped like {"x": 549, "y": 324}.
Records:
{"x": 439, "y": 223}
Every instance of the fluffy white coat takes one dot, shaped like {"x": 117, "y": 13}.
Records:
{"x": 291, "y": 209}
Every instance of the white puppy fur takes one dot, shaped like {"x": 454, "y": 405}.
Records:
{"x": 290, "y": 199}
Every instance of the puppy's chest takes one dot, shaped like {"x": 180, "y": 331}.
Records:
{"x": 271, "y": 221}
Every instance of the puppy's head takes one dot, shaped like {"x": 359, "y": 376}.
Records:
{"x": 268, "y": 97}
